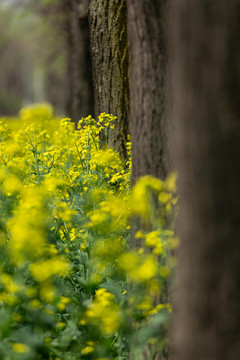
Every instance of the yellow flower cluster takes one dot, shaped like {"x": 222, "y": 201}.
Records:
{"x": 70, "y": 287}
{"x": 28, "y": 226}
{"x": 44, "y": 270}
{"x": 150, "y": 194}
{"x": 103, "y": 312}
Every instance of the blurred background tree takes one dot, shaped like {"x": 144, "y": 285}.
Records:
{"x": 33, "y": 68}
{"x": 45, "y": 56}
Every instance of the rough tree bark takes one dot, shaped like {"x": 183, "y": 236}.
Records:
{"x": 147, "y": 30}
{"x": 147, "y": 24}
{"x": 109, "y": 49}
{"x": 81, "y": 98}
{"x": 206, "y": 113}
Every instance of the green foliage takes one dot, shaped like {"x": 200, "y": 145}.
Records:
{"x": 70, "y": 287}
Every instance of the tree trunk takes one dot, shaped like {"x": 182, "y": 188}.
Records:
{"x": 147, "y": 24}
{"x": 206, "y": 115}
{"x": 109, "y": 48}
{"x": 147, "y": 27}
{"x": 81, "y": 99}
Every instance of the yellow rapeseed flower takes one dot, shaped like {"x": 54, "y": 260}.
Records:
{"x": 87, "y": 350}
{"x": 20, "y": 348}
{"x": 44, "y": 270}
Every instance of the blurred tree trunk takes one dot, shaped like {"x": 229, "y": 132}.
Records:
{"x": 81, "y": 99}
{"x": 109, "y": 48}
{"x": 206, "y": 114}
{"x": 149, "y": 121}
{"x": 71, "y": 19}
{"x": 147, "y": 25}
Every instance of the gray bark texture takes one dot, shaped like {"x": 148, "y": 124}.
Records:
{"x": 149, "y": 126}
{"x": 81, "y": 98}
{"x": 206, "y": 118}
{"x": 147, "y": 26}
{"x": 109, "y": 49}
